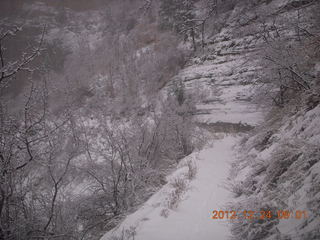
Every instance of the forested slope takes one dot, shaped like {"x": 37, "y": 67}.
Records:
{"x": 107, "y": 106}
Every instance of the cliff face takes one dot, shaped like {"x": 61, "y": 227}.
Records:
{"x": 278, "y": 166}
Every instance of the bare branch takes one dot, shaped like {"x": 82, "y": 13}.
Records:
{"x": 10, "y": 69}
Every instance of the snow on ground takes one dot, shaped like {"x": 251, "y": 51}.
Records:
{"x": 192, "y": 218}
{"x": 222, "y": 88}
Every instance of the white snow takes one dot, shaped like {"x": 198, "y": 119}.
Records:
{"x": 192, "y": 219}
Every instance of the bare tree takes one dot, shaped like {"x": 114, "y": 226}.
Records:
{"x": 17, "y": 138}
{"x": 289, "y": 62}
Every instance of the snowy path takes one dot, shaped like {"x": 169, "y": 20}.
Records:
{"x": 192, "y": 219}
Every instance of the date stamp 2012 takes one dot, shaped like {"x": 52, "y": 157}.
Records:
{"x": 251, "y": 215}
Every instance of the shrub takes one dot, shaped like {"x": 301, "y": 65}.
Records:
{"x": 192, "y": 170}
{"x": 180, "y": 187}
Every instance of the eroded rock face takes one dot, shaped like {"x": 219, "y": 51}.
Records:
{"x": 221, "y": 80}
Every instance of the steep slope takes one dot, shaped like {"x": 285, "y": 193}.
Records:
{"x": 279, "y": 171}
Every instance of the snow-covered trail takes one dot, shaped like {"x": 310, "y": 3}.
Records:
{"x": 192, "y": 220}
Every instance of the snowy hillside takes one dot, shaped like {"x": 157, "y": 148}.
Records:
{"x": 232, "y": 174}
{"x": 160, "y": 120}
{"x": 280, "y": 170}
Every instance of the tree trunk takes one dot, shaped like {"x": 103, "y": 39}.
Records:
{"x": 1, "y": 208}
{"x": 193, "y": 40}
{"x": 202, "y": 34}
